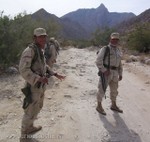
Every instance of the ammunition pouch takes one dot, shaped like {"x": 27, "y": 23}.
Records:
{"x": 28, "y": 96}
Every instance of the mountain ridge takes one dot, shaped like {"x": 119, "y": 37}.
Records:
{"x": 80, "y": 24}
{"x": 92, "y": 19}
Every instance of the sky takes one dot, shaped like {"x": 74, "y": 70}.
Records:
{"x": 61, "y": 7}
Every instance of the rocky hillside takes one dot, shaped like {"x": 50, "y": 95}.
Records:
{"x": 67, "y": 28}
{"x": 144, "y": 17}
{"x": 92, "y": 19}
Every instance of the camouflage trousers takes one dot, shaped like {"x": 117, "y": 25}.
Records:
{"x": 112, "y": 82}
{"x": 31, "y": 112}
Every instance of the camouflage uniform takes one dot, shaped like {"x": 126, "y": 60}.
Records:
{"x": 32, "y": 72}
{"x": 112, "y": 79}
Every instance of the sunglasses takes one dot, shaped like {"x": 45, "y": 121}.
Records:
{"x": 115, "y": 39}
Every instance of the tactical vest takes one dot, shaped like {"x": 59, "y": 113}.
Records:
{"x": 37, "y": 54}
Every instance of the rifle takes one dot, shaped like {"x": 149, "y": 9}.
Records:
{"x": 28, "y": 96}
{"x": 104, "y": 86}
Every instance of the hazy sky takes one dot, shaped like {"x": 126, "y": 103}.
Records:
{"x": 62, "y": 7}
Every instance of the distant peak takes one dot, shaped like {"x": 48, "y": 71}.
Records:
{"x": 42, "y": 10}
{"x": 102, "y": 7}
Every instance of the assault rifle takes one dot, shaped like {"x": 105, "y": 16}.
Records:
{"x": 28, "y": 96}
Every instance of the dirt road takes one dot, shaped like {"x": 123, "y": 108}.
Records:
{"x": 69, "y": 113}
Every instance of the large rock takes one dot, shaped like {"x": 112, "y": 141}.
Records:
{"x": 12, "y": 70}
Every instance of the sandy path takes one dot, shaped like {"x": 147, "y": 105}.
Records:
{"x": 69, "y": 113}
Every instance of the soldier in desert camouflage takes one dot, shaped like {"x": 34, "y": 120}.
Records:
{"x": 110, "y": 72}
{"x": 51, "y": 51}
{"x": 33, "y": 69}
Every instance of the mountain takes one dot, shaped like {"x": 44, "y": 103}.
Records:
{"x": 92, "y": 19}
{"x": 73, "y": 30}
{"x": 43, "y": 15}
{"x": 144, "y": 17}
{"x": 82, "y": 23}
{"x": 67, "y": 28}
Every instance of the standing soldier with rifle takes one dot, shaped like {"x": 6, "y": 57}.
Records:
{"x": 33, "y": 69}
{"x": 110, "y": 72}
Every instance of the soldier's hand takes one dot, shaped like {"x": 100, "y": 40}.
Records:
{"x": 43, "y": 80}
{"x": 61, "y": 77}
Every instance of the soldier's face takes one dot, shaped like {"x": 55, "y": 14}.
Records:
{"x": 41, "y": 40}
{"x": 114, "y": 42}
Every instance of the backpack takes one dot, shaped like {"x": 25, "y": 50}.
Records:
{"x": 56, "y": 44}
{"x": 47, "y": 52}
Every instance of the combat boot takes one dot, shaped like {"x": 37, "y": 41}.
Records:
{"x": 100, "y": 109}
{"x": 114, "y": 107}
{"x": 31, "y": 130}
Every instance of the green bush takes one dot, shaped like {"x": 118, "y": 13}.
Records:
{"x": 102, "y": 37}
{"x": 139, "y": 38}
{"x": 16, "y": 34}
